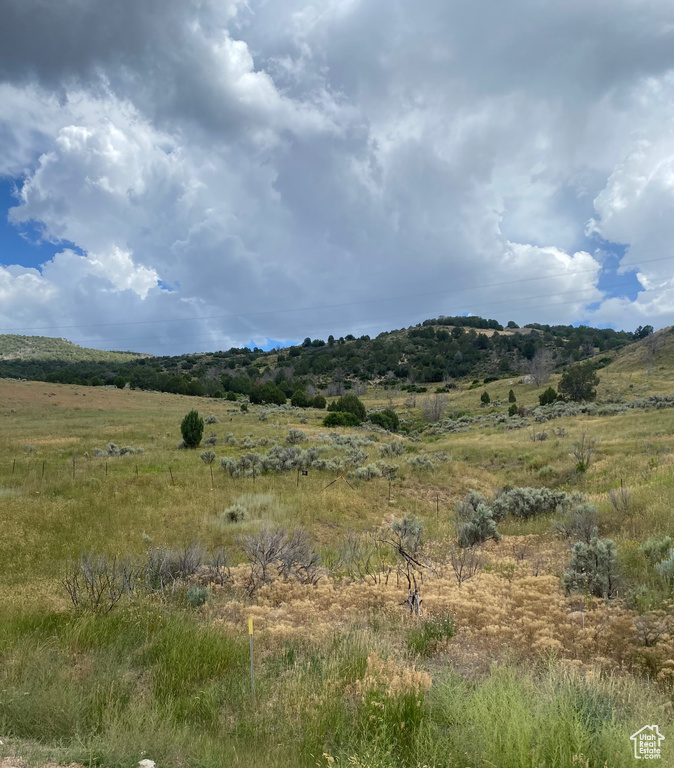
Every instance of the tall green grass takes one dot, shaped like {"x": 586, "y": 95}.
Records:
{"x": 151, "y": 681}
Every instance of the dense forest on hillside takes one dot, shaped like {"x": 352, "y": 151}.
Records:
{"x": 437, "y": 350}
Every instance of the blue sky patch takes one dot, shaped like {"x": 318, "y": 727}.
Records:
{"x": 624, "y": 285}
{"x": 23, "y": 245}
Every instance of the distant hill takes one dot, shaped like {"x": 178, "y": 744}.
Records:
{"x": 440, "y": 350}
{"x": 13, "y": 347}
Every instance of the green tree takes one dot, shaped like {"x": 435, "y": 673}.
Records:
{"x": 268, "y": 393}
{"x": 349, "y": 404}
{"x": 548, "y": 397}
{"x": 300, "y": 399}
{"x": 512, "y": 411}
{"x": 579, "y": 382}
{"x": 485, "y": 398}
{"x": 318, "y": 401}
{"x": 642, "y": 332}
{"x": 340, "y": 419}
{"x": 192, "y": 428}
{"x": 195, "y": 388}
{"x": 511, "y": 397}
{"x": 388, "y": 419}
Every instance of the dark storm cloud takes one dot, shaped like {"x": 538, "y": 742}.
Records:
{"x": 171, "y": 58}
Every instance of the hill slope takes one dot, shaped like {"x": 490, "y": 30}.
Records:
{"x": 14, "y": 347}
{"x": 438, "y": 350}
{"x": 655, "y": 351}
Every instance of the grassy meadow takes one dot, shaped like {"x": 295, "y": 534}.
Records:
{"x": 502, "y": 668}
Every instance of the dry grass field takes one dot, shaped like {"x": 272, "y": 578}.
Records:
{"x": 501, "y": 669}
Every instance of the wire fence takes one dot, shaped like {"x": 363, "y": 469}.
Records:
{"x": 80, "y": 470}
{"x": 24, "y": 470}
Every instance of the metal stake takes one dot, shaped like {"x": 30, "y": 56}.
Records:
{"x": 252, "y": 667}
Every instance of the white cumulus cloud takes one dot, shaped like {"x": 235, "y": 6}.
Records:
{"x": 217, "y": 172}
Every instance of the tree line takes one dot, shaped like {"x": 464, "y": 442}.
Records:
{"x": 436, "y": 350}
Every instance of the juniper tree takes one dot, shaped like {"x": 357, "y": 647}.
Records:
{"x": 579, "y": 382}
{"x": 349, "y": 404}
{"x": 192, "y": 428}
{"x": 387, "y": 419}
{"x": 299, "y": 399}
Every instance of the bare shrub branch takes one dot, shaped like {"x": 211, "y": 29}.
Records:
{"x": 621, "y": 498}
{"x": 465, "y": 562}
{"x": 540, "y": 366}
{"x": 583, "y": 451}
{"x": 217, "y": 570}
{"x": 97, "y": 582}
{"x": 361, "y": 557}
{"x": 283, "y": 554}
{"x": 434, "y": 407}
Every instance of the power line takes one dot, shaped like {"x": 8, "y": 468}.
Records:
{"x": 370, "y": 321}
{"x": 325, "y": 306}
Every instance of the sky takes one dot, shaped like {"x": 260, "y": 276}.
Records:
{"x": 191, "y": 175}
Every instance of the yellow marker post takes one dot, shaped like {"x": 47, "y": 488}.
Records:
{"x": 252, "y": 668}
